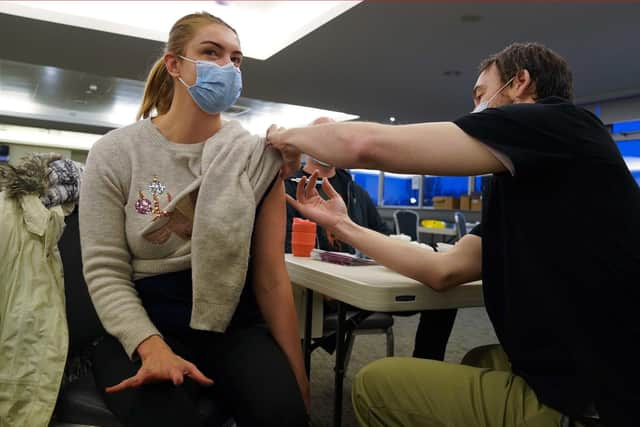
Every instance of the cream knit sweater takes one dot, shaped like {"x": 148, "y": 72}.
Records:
{"x": 139, "y": 218}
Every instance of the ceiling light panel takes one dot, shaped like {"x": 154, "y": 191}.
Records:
{"x": 36, "y": 92}
{"x": 265, "y": 27}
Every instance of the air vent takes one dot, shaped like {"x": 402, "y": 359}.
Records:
{"x": 452, "y": 73}
{"x": 237, "y": 110}
{"x": 469, "y": 18}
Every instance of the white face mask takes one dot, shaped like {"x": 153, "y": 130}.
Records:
{"x": 483, "y": 105}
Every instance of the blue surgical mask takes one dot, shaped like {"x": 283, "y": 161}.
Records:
{"x": 217, "y": 87}
{"x": 483, "y": 105}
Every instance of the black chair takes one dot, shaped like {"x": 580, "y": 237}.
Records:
{"x": 374, "y": 323}
{"x": 461, "y": 224}
{"x": 79, "y": 401}
{"x": 406, "y": 222}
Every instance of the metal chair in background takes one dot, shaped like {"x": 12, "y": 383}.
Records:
{"x": 461, "y": 224}
{"x": 406, "y": 222}
{"x": 365, "y": 324}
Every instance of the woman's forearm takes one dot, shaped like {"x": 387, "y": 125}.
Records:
{"x": 419, "y": 263}
{"x": 276, "y": 305}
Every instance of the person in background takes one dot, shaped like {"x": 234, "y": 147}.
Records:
{"x": 182, "y": 231}
{"x": 434, "y": 327}
{"x": 560, "y": 309}
{"x": 361, "y": 208}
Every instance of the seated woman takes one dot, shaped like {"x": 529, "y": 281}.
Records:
{"x": 182, "y": 229}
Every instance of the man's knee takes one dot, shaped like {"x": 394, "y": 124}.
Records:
{"x": 490, "y": 356}
{"x": 372, "y": 384}
{"x": 366, "y": 388}
{"x": 375, "y": 376}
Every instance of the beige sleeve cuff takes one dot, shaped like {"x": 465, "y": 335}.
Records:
{"x": 131, "y": 340}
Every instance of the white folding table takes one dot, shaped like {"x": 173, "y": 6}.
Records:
{"x": 370, "y": 288}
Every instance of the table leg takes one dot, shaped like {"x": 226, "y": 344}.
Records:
{"x": 339, "y": 369}
{"x": 306, "y": 342}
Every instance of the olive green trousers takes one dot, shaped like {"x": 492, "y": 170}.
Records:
{"x": 480, "y": 392}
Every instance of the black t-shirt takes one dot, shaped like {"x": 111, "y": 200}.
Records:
{"x": 477, "y": 230}
{"x": 561, "y": 256}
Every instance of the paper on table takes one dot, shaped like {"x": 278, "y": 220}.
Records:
{"x": 342, "y": 258}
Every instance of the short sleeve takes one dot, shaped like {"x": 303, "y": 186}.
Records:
{"x": 477, "y": 230}
{"x": 536, "y": 136}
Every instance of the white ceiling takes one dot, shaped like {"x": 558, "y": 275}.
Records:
{"x": 380, "y": 59}
{"x": 52, "y": 94}
{"x": 286, "y": 21}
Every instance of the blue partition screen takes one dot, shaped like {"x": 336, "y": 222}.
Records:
{"x": 367, "y": 179}
{"x": 455, "y": 186}
{"x": 626, "y": 127}
{"x": 481, "y": 183}
{"x": 401, "y": 190}
{"x": 630, "y": 150}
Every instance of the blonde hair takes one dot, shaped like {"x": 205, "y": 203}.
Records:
{"x": 158, "y": 91}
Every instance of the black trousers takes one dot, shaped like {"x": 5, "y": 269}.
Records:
{"x": 254, "y": 382}
{"x": 433, "y": 333}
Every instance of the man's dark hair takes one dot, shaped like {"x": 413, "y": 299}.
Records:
{"x": 549, "y": 71}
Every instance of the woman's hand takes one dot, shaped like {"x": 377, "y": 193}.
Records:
{"x": 327, "y": 213}
{"x": 160, "y": 363}
{"x": 291, "y": 156}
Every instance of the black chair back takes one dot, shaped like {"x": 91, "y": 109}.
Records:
{"x": 406, "y": 222}
{"x": 84, "y": 325}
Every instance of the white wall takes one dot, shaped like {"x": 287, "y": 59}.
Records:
{"x": 616, "y": 110}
